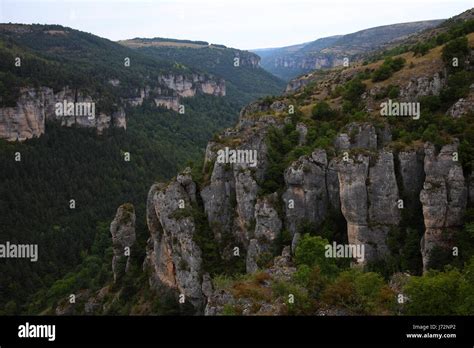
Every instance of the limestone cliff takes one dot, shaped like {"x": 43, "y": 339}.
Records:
{"x": 122, "y": 230}
{"x": 444, "y": 198}
{"x": 173, "y": 257}
{"x": 35, "y": 106}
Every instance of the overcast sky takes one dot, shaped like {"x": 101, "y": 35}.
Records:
{"x": 243, "y": 24}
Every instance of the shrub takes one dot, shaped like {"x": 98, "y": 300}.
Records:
{"x": 322, "y": 111}
{"x": 381, "y": 74}
{"x": 430, "y": 103}
{"x": 457, "y": 48}
{"x": 302, "y": 305}
{"x": 388, "y": 67}
{"x": 441, "y": 293}
{"x": 361, "y": 293}
{"x": 311, "y": 279}
{"x": 229, "y": 310}
{"x": 311, "y": 252}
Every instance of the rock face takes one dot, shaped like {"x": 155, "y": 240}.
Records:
{"x": 412, "y": 176}
{"x": 260, "y": 106}
{"x": 35, "y": 106}
{"x": 267, "y": 229}
{"x": 444, "y": 198}
{"x": 219, "y": 200}
{"x": 173, "y": 258}
{"x": 306, "y": 197}
{"x": 369, "y": 196}
{"x": 303, "y": 132}
{"x": 422, "y": 86}
{"x": 232, "y": 189}
{"x": 26, "y": 120}
{"x": 463, "y": 105}
{"x": 122, "y": 230}
{"x": 281, "y": 270}
{"x": 188, "y": 86}
{"x": 357, "y": 135}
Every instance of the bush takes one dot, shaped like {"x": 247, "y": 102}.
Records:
{"x": 353, "y": 90}
{"x": 393, "y": 92}
{"x": 395, "y": 64}
{"x": 457, "y": 48}
{"x": 390, "y": 91}
{"x": 303, "y": 304}
{"x": 361, "y": 293}
{"x": 387, "y": 69}
{"x": 311, "y": 252}
{"x": 381, "y": 74}
{"x": 430, "y": 103}
{"x": 457, "y": 87}
{"x": 442, "y": 293}
{"x": 421, "y": 49}
{"x": 322, "y": 111}
{"x": 311, "y": 279}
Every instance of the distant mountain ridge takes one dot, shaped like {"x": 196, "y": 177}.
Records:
{"x": 292, "y": 61}
{"x": 241, "y": 69}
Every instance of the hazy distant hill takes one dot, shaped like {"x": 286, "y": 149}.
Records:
{"x": 291, "y": 61}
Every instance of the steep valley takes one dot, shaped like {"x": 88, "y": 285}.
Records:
{"x": 196, "y": 232}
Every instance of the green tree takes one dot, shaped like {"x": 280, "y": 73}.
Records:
{"x": 311, "y": 251}
{"x": 456, "y": 49}
{"x": 322, "y": 111}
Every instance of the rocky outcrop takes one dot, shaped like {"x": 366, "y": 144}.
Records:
{"x": 122, "y": 230}
{"x": 27, "y": 119}
{"x": 369, "y": 194}
{"x": 173, "y": 257}
{"x": 412, "y": 176}
{"x": 303, "y": 132}
{"x": 463, "y": 106}
{"x": 232, "y": 189}
{"x": 262, "y": 106}
{"x": 267, "y": 229}
{"x": 221, "y": 299}
{"x": 189, "y": 85}
{"x": 422, "y": 86}
{"x": 247, "y": 59}
{"x": 246, "y": 190}
{"x": 219, "y": 201}
{"x": 355, "y": 135}
{"x": 306, "y": 196}
{"x": 36, "y": 105}
{"x": 444, "y": 199}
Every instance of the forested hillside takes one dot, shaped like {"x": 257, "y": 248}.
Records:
{"x": 74, "y": 162}
{"x": 245, "y": 79}
{"x": 333, "y": 170}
